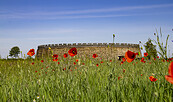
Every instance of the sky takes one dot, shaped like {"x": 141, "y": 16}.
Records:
{"x": 30, "y": 23}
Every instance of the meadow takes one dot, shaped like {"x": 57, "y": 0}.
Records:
{"x": 76, "y": 79}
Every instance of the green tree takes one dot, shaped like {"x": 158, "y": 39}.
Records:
{"x": 150, "y": 49}
{"x": 14, "y": 51}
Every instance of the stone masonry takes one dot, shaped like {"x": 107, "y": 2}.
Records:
{"x": 103, "y": 50}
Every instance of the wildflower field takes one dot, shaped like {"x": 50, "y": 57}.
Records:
{"x": 69, "y": 78}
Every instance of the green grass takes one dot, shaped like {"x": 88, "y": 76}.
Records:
{"x": 88, "y": 83}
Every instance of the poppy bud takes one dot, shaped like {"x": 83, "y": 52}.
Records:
{"x": 113, "y": 35}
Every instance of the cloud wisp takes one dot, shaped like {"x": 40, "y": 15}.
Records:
{"x": 22, "y": 33}
{"x": 89, "y": 13}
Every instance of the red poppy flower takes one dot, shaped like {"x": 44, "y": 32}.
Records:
{"x": 141, "y": 74}
{"x": 95, "y": 55}
{"x": 121, "y": 62}
{"x": 170, "y": 59}
{"x": 65, "y": 55}
{"x": 169, "y": 77}
{"x": 119, "y": 78}
{"x": 145, "y": 54}
{"x": 58, "y": 62}
{"x": 157, "y": 56}
{"x": 31, "y": 52}
{"x": 142, "y": 60}
{"x": 152, "y": 78}
{"x": 124, "y": 70}
{"x": 130, "y": 56}
{"x": 163, "y": 60}
{"x": 110, "y": 60}
{"x": 137, "y": 53}
{"x": 83, "y": 63}
{"x": 123, "y": 59}
{"x": 101, "y": 62}
{"x": 72, "y": 52}
{"x": 32, "y": 63}
{"x": 55, "y": 59}
{"x": 36, "y": 71}
{"x": 64, "y": 69}
{"x": 55, "y": 56}
{"x": 74, "y": 63}
{"x": 97, "y": 65}
{"x": 42, "y": 61}
{"x": 77, "y": 60}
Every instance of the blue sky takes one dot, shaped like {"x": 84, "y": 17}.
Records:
{"x": 29, "y": 23}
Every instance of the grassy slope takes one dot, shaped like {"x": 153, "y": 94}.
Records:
{"x": 19, "y": 81}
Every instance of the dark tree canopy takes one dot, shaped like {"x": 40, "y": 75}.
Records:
{"x": 14, "y": 51}
{"x": 150, "y": 49}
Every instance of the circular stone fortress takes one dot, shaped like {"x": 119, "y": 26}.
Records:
{"x": 103, "y": 50}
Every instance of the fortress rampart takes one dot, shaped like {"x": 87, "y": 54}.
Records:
{"x": 103, "y": 50}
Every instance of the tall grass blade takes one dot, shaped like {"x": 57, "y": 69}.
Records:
{"x": 163, "y": 50}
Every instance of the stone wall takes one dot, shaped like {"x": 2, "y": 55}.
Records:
{"x": 104, "y": 50}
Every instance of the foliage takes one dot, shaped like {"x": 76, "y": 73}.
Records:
{"x": 29, "y": 57}
{"x": 162, "y": 48}
{"x": 14, "y": 51}
{"x": 150, "y": 49}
